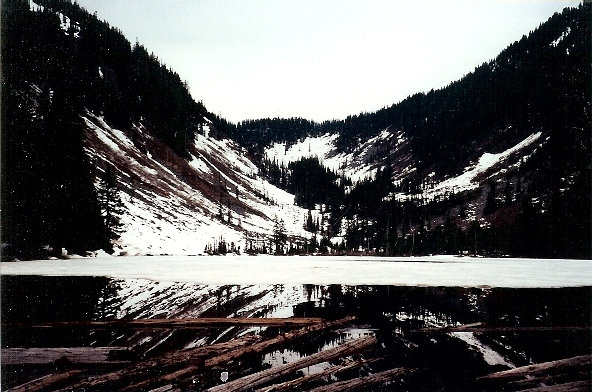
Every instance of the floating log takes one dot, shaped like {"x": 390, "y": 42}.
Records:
{"x": 477, "y": 328}
{"x": 177, "y": 323}
{"x": 333, "y": 370}
{"x": 361, "y": 382}
{"x": 181, "y": 364}
{"x": 45, "y": 381}
{"x": 165, "y": 388}
{"x": 151, "y": 367}
{"x": 573, "y": 364}
{"x": 254, "y": 380}
{"x": 77, "y": 355}
{"x": 558, "y": 378}
{"x": 256, "y": 347}
{"x": 278, "y": 341}
{"x": 576, "y": 386}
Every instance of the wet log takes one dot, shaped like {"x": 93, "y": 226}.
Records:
{"x": 478, "y": 328}
{"x": 256, "y": 347}
{"x": 75, "y": 355}
{"x": 151, "y": 368}
{"x": 181, "y": 364}
{"x": 165, "y": 388}
{"x": 332, "y": 371}
{"x": 45, "y": 382}
{"x": 178, "y": 323}
{"x": 366, "y": 381}
{"x": 562, "y": 366}
{"x": 278, "y": 341}
{"x": 254, "y": 380}
{"x": 557, "y": 378}
{"x": 576, "y": 386}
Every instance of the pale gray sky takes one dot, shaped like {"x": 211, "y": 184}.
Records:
{"x": 320, "y": 59}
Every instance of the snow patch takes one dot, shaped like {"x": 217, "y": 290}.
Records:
{"x": 490, "y": 356}
{"x": 166, "y": 215}
{"x": 467, "y": 180}
{"x": 561, "y": 37}
{"x": 357, "y": 165}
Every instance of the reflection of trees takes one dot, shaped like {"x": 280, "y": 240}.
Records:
{"x": 369, "y": 303}
{"x": 37, "y": 299}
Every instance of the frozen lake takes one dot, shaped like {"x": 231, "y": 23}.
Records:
{"x": 447, "y": 271}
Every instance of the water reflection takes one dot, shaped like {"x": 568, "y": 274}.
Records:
{"x": 392, "y": 314}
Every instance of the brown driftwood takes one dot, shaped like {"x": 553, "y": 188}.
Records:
{"x": 477, "y": 328}
{"x": 181, "y": 364}
{"x": 576, "y": 386}
{"x": 333, "y": 370}
{"x": 78, "y": 355}
{"x": 165, "y": 388}
{"x": 536, "y": 382}
{"x": 177, "y": 323}
{"x": 147, "y": 368}
{"x": 254, "y": 380}
{"x": 277, "y": 341}
{"x": 573, "y": 364}
{"x": 257, "y": 347}
{"x": 45, "y": 381}
{"x": 373, "y": 379}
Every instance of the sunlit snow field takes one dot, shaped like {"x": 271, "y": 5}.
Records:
{"x": 412, "y": 271}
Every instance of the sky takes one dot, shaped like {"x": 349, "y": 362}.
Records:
{"x": 320, "y": 59}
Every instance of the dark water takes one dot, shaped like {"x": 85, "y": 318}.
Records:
{"x": 393, "y": 314}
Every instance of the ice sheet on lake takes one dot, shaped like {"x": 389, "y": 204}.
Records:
{"x": 415, "y": 271}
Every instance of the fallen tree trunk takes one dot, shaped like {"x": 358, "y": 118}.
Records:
{"x": 536, "y": 382}
{"x": 334, "y": 370}
{"x": 178, "y": 323}
{"x": 45, "y": 381}
{"x": 574, "y": 364}
{"x": 165, "y": 388}
{"x": 254, "y": 380}
{"x": 476, "y": 327}
{"x": 151, "y": 368}
{"x": 576, "y": 386}
{"x": 257, "y": 347}
{"x": 361, "y": 382}
{"x": 77, "y": 355}
{"x": 178, "y": 365}
{"x": 280, "y": 340}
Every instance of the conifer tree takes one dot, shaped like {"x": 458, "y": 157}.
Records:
{"x": 279, "y": 235}
{"x": 111, "y": 205}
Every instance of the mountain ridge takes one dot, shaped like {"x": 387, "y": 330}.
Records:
{"x": 418, "y": 177}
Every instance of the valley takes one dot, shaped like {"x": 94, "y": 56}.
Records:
{"x": 442, "y": 242}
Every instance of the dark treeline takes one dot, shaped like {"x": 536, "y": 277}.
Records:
{"x": 56, "y": 63}
{"x": 540, "y": 83}
{"x": 53, "y": 71}
{"x": 515, "y": 223}
{"x": 515, "y": 220}
{"x": 535, "y": 84}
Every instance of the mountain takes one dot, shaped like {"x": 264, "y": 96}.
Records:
{"x": 81, "y": 104}
{"x": 103, "y": 147}
{"x": 507, "y": 144}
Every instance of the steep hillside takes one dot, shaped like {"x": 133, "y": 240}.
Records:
{"x": 540, "y": 83}
{"x": 104, "y": 148}
{"x": 513, "y": 135}
{"x": 179, "y": 206}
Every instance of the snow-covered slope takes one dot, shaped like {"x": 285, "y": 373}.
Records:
{"x": 359, "y": 164}
{"x": 392, "y": 148}
{"x": 177, "y": 206}
{"x": 488, "y": 165}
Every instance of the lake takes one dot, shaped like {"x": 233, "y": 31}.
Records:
{"x": 424, "y": 293}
